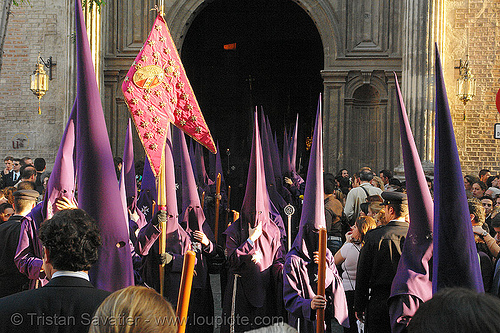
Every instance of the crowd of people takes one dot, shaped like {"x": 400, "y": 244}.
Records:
{"x": 264, "y": 281}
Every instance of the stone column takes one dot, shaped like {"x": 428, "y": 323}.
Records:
{"x": 423, "y": 25}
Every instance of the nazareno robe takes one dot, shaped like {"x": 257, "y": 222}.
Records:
{"x": 259, "y": 266}
{"x": 300, "y": 287}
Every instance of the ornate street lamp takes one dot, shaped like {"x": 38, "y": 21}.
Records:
{"x": 39, "y": 79}
{"x": 466, "y": 83}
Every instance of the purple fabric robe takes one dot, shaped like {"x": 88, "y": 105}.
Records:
{"x": 300, "y": 269}
{"x": 412, "y": 285}
{"x": 178, "y": 241}
{"x": 257, "y": 263}
{"x": 299, "y": 289}
{"x": 29, "y": 252}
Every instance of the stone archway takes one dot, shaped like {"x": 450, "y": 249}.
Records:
{"x": 276, "y": 63}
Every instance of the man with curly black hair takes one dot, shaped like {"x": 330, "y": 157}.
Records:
{"x": 67, "y": 303}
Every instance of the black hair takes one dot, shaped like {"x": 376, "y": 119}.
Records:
{"x": 328, "y": 183}
{"x": 481, "y": 184}
{"x": 27, "y": 171}
{"x": 471, "y": 179}
{"x": 72, "y": 238}
{"x": 365, "y": 175}
{"x": 386, "y": 173}
{"x": 482, "y": 172}
{"x": 457, "y": 310}
{"x": 4, "y": 206}
{"x": 40, "y": 164}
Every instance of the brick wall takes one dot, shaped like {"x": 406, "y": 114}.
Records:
{"x": 39, "y": 28}
{"x": 477, "y": 147}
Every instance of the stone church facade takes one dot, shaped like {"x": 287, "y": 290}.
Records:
{"x": 364, "y": 43}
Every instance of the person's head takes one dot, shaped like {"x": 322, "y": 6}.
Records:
{"x": 497, "y": 200}
{"x": 40, "y": 164}
{"x": 380, "y": 218}
{"x": 487, "y": 204}
{"x": 363, "y": 209}
{"x": 377, "y": 182}
{"x": 495, "y": 223}
{"x": 361, "y": 227}
{"x": 395, "y": 205}
{"x": 339, "y": 195}
{"x": 385, "y": 175}
{"x": 365, "y": 175}
{"x": 457, "y": 310}
{"x": 476, "y": 211}
{"x": 468, "y": 181}
{"x": 24, "y": 201}
{"x": 7, "y": 192}
{"x": 395, "y": 183}
{"x": 328, "y": 183}
{"x": 16, "y": 164}
{"x": 28, "y": 173}
{"x": 478, "y": 189}
{"x": 26, "y": 161}
{"x": 374, "y": 208}
{"x": 71, "y": 241}
{"x": 430, "y": 185}
{"x": 343, "y": 173}
{"x": 26, "y": 185}
{"x": 8, "y": 162}
{"x": 142, "y": 310}
{"x": 6, "y": 211}
{"x": 484, "y": 174}
{"x": 118, "y": 166}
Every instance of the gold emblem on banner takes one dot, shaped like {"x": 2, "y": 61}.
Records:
{"x": 148, "y": 77}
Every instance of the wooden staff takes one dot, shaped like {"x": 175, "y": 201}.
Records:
{"x": 217, "y": 205}
{"x": 162, "y": 219}
{"x": 185, "y": 290}
{"x": 320, "y": 313}
{"x": 202, "y": 200}
{"x": 228, "y": 208}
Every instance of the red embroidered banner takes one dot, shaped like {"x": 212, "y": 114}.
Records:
{"x": 157, "y": 91}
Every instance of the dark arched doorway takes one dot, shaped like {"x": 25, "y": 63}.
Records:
{"x": 242, "y": 54}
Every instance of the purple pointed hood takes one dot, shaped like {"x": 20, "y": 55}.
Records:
{"x": 62, "y": 179}
{"x": 266, "y": 152}
{"x": 193, "y": 215}
{"x": 273, "y": 146}
{"x": 413, "y": 275}
{"x": 218, "y": 169}
{"x": 129, "y": 166}
{"x": 211, "y": 163}
{"x": 129, "y": 180}
{"x": 98, "y": 192}
{"x": 313, "y": 209}
{"x": 455, "y": 260}
{"x": 286, "y": 167}
{"x": 256, "y": 201}
{"x": 178, "y": 240}
{"x": 192, "y": 157}
{"x": 148, "y": 192}
{"x": 293, "y": 146}
{"x": 200, "y": 164}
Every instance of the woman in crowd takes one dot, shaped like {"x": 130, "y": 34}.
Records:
{"x": 468, "y": 181}
{"x": 348, "y": 256}
{"x": 478, "y": 189}
{"x": 134, "y": 309}
{"x": 378, "y": 182}
{"x": 6, "y": 211}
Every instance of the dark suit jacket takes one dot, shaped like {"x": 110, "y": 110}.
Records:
{"x": 65, "y": 304}
{"x": 11, "y": 280}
